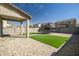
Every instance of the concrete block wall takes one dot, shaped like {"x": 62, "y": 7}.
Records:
{"x": 16, "y": 30}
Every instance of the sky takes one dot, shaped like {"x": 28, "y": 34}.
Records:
{"x": 50, "y": 12}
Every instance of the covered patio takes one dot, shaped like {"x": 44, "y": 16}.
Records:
{"x": 19, "y": 46}
{"x": 12, "y": 13}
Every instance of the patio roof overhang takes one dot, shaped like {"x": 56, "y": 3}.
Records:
{"x": 11, "y": 12}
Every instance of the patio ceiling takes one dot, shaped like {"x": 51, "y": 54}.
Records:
{"x": 11, "y": 12}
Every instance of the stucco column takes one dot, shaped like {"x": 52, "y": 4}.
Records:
{"x": 1, "y": 27}
{"x": 20, "y": 28}
{"x": 27, "y": 28}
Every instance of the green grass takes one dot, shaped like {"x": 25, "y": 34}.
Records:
{"x": 54, "y": 41}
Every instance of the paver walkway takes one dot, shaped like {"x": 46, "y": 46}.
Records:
{"x": 10, "y": 46}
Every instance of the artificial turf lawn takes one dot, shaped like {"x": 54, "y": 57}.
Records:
{"x": 54, "y": 41}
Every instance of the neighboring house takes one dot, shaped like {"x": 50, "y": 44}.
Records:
{"x": 63, "y": 26}
{"x": 66, "y": 26}
{"x": 52, "y": 27}
{"x": 78, "y": 28}
{"x": 35, "y": 28}
{"x": 36, "y": 25}
{"x": 47, "y": 27}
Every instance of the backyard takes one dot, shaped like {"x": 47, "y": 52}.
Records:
{"x": 52, "y": 40}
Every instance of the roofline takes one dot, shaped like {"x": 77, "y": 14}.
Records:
{"x": 18, "y": 10}
{"x": 66, "y": 20}
{"x": 29, "y": 16}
